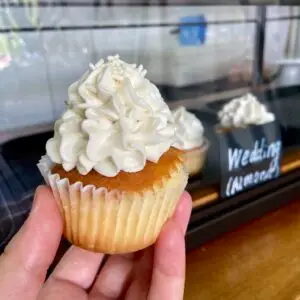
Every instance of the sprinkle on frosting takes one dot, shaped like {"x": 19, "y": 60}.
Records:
{"x": 244, "y": 111}
{"x": 115, "y": 120}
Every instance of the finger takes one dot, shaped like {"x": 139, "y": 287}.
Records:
{"x": 169, "y": 264}
{"x": 63, "y": 290}
{"x": 27, "y": 257}
{"x": 113, "y": 277}
{"x": 77, "y": 266}
{"x": 140, "y": 285}
{"x": 73, "y": 275}
{"x": 183, "y": 211}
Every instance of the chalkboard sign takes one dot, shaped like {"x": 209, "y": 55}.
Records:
{"x": 249, "y": 156}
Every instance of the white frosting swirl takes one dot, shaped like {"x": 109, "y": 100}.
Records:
{"x": 189, "y": 130}
{"x": 244, "y": 111}
{"x": 116, "y": 120}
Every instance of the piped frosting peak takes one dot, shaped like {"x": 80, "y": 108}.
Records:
{"x": 243, "y": 111}
{"x": 116, "y": 120}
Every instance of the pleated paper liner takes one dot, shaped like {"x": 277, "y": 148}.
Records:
{"x": 112, "y": 221}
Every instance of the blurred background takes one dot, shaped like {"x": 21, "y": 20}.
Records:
{"x": 46, "y": 46}
{"x": 198, "y": 55}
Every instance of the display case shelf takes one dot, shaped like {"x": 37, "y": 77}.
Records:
{"x": 213, "y": 216}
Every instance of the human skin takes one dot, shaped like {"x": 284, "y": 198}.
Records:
{"x": 155, "y": 273}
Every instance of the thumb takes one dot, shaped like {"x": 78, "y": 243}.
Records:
{"x": 29, "y": 254}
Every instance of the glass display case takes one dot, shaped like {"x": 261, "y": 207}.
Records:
{"x": 236, "y": 68}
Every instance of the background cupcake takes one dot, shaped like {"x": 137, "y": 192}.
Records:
{"x": 243, "y": 111}
{"x": 246, "y": 133}
{"x": 190, "y": 138}
{"x": 110, "y": 163}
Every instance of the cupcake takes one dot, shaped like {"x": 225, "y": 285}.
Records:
{"x": 111, "y": 164}
{"x": 244, "y": 111}
{"x": 190, "y": 139}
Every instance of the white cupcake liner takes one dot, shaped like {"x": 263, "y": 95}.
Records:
{"x": 113, "y": 221}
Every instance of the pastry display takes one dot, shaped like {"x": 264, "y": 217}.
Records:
{"x": 243, "y": 111}
{"x": 190, "y": 139}
{"x": 112, "y": 163}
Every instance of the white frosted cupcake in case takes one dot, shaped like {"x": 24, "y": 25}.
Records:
{"x": 111, "y": 164}
{"x": 243, "y": 111}
{"x": 189, "y": 137}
